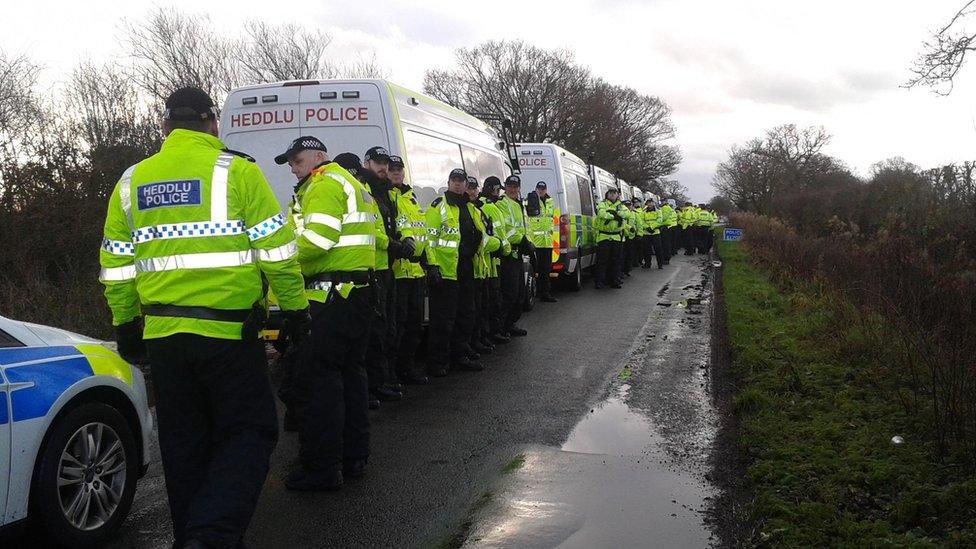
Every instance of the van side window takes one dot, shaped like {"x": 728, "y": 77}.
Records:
{"x": 573, "y": 203}
{"x": 480, "y": 164}
{"x": 586, "y": 195}
{"x": 430, "y": 160}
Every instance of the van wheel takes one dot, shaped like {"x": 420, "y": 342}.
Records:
{"x": 530, "y": 289}
{"x": 574, "y": 282}
{"x": 86, "y": 476}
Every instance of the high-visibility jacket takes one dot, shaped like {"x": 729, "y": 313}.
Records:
{"x": 703, "y": 218}
{"x": 514, "y": 221}
{"x": 483, "y": 261}
{"x": 498, "y": 229}
{"x": 653, "y": 221}
{"x": 687, "y": 216}
{"x": 637, "y": 220}
{"x": 608, "y": 226}
{"x": 195, "y": 225}
{"x": 543, "y": 228}
{"x": 410, "y": 223}
{"x": 335, "y": 221}
{"x": 444, "y": 235}
{"x": 379, "y": 231}
{"x": 669, "y": 218}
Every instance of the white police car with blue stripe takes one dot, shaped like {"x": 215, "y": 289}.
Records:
{"x": 74, "y": 433}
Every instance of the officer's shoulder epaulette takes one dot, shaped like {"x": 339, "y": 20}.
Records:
{"x": 437, "y": 201}
{"x": 245, "y": 156}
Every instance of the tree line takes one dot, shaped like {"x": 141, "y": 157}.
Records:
{"x": 549, "y": 97}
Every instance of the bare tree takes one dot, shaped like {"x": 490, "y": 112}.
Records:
{"x": 19, "y": 104}
{"x": 540, "y": 91}
{"x": 944, "y": 53}
{"x": 669, "y": 188}
{"x": 366, "y": 66}
{"x": 172, "y": 49}
{"x": 272, "y": 53}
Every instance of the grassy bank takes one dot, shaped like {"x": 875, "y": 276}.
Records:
{"x": 815, "y": 427}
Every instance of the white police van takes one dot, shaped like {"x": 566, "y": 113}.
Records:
{"x": 603, "y": 181}
{"x": 74, "y": 434}
{"x": 568, "y": 182}
{"x": 432, "y": 137}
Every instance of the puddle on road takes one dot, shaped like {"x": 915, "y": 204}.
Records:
{"x": 613, "y": 428}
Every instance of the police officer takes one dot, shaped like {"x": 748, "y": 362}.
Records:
{"x": 409, "y": 274}
{"x": 335, "y": 223}
{"x": 188, "y": 235}
{"x": 452, "y": 242}
{"x": 380, "y": 356}
{"x": 653, "y": 222}
{"x": 539, "y": 210}
{"x": 510, "y": 274}
{"x": 490, "y": 194}
{"x": 483, "y": 268}
{"x": 686, "y": 221}
{"x": 669, "y": 220}
{"x": 609, "y": 225}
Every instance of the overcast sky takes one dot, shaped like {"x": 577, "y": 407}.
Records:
{"x": 730, "y": 70}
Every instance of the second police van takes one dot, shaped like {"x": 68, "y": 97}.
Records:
{"x": 568, "y": 182}
{"x": 353, "y": 115}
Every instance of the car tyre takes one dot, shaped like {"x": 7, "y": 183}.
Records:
{"x": 92, "y": 451}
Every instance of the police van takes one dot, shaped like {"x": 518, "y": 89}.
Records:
{"x": 626, "y": 191}
{"x": 603, "y": 181}
{"x": 568, "y": 182}
{"x": 353, "y": 115}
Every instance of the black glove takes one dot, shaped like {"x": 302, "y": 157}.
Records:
{"x": 434, "y": 277}
{"x": 526, "y": 247}
{"x": 296, "y": 325}
{"x": 131, "y": 346}
{"x": 409, "y": 248}
{"x": 395, "y": 249}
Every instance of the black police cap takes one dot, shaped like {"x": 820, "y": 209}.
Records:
{"x": 395, "y": 162}
{"x": 513, "y": 181}
{"x": 472, "y": 182}
{"x": 189, "y": 104}
{"x": 304, "y": 143}
{"x": 349, "y": 161}
{"x": 377, "y": 154}
{"x": 541, "y": 185}
{"x": 458, "y": 174}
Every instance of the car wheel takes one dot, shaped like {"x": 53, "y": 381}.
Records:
{"x": 86, "y": 476}
{"x": 530, "y": 289}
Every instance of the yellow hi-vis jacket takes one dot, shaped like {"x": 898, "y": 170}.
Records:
{"x": 195, "y": 226}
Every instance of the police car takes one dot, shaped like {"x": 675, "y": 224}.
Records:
{"x": 74, "y": 433}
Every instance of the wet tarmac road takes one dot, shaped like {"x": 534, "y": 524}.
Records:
{"x": 609, "y": 376}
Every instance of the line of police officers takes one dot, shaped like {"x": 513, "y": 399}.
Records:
{"x": 194, "y": 243}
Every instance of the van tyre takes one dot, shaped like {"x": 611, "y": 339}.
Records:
{"x": 574, "y": 281}
{"x": 91, "y": 452}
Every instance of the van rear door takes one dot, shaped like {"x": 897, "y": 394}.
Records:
{"x": 262, "y": 122}
{"x": 348, "y": 116}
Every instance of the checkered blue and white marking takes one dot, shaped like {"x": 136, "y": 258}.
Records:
{"x": 188, "y": 230}
{"x": 266, "y": 227}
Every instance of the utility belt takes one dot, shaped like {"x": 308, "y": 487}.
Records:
{"x": 252, "y": 320}
{"x": 321, "y": 280}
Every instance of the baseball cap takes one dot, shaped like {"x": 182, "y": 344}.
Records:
{"x": 541, "y": 185}
{"x": 189, "y": 104}
{"x": 492, "y": 183}
{"x": 472, "y": 182}
{"x": 458, "y": 173}
{"x": 350, "y": 162}
{"x": 513, "y": 181}
{"x": 304, "y": 143}
{"x": 377, "y": 154}
{"x": 396, "y": 162}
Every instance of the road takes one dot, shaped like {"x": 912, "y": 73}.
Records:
{"x": 617, "y": 373}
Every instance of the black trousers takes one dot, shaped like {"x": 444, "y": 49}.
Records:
{"x": 331, "y": 389}
{"x": 443, "y": 301}
{"x": 512, "y": 290}
{"x": 647, "y": 250}
{"x": 494, "y": 305}
{"x": 608, "y": 262}
{"x": 701, "y": 236}
{"x": 708, "y": 238}
{"x": 543, "y": 265}
{"x": 217, "y": 428}
{"x": 464, "y": 316}
{"x": 380, "y": 357}
{"x": 657, "y": 249}
{"x": 409, "y": 323}
{"x": 481, "y": 311}
{"x": 667, "y": 234}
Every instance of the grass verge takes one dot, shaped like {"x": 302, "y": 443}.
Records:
{"x": 816, "y": 431}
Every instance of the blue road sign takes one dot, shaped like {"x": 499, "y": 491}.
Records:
{"x": 733, "y": 234}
